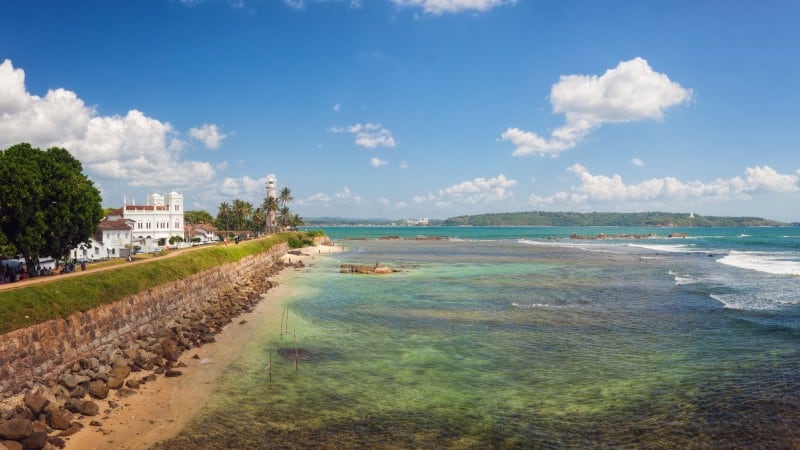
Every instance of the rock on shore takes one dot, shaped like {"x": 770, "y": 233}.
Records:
{"x": 363, "y": 269}
{"x": 53, "y": 409}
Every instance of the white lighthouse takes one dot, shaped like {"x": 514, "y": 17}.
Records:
{"x": 271, "y": 222}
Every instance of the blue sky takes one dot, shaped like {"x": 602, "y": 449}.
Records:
{"x": 416, "y": 108}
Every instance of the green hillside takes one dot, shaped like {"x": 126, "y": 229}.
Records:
{"x": 644, "y": 219}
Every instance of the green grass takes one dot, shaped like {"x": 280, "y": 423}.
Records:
{"x": 38, "y": 303}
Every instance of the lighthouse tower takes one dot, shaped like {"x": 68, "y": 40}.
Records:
{"x": 271, "y": 223}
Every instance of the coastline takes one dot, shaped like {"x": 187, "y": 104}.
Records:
{"x": 162, "y": 408}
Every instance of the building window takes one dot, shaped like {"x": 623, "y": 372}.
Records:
{"x": 177, "y": 225}
{"x": 177, "y": 207}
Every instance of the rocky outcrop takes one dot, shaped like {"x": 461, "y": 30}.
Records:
{"x": 363, "y": 269}
{"x": 677, "y": 235}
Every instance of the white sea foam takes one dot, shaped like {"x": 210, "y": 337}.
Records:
{"x": 601, "y": 248}
{"x": 752, "y": 302}
{"x": 681, "y": 280}
{"x": 534, "y": 305}
{"x": 670, "y": 248}
{"x": 783, "y": 263}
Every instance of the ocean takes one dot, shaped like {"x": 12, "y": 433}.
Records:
{"x": 525, "y": 338}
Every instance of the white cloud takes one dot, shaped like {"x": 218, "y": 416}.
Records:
{"x": 629, "y": 92}
{"x": 209, "y": 135}
{"x": 295, "y": 4}
{"x": 472, "y": 192}
{"x": 437, "y": 7}
{"x": 603, "y": 189}
{"x": 368, "y": 135}
{"x": 637, "y": 162}
{"x": 134, "y": 149}
{"x": 339, "y": 199}
{"x": 337, "y": 107}
{"x": 377, "y": 162}
{"x": 404, "y": 165}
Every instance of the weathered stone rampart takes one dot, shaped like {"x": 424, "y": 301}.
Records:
{"x": 33, "y": 354}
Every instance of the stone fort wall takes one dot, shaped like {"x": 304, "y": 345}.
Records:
{"x": 33, "y": 354}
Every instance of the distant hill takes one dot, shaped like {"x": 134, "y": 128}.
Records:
{"x": 644, "y": 219}
{"x": 344, "y": 221}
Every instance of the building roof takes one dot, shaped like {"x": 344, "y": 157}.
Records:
{"x": 107, "y": 225}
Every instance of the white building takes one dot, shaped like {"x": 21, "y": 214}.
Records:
{"x": 161, "y": 218}
{"x": 135, "y": 227}
{"x": 200, "y": 233}
{"x": 113, "y": 239}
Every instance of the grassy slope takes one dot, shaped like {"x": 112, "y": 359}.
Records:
{"x": 34, "y": 304}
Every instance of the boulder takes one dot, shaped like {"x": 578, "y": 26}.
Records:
{"x": 115, "y": 382}
{"x": 16, "y": 429}
{"x": 89, "y": 408}
{"x": 35, "y": 441}
{"x": 59, "y": 419}
{"x": 12, "y": 445}
{"x": 173, "y": 373}
{"x": 69, "y": 381}
{"x": 133, "y": 384}
{"x": 169, "y": 350}
{"x": 36, "y": 403}
{"x": 56, "y": 442}
{"x": 98, "y": 389}
{"x": 73, "y": 405}
{"x": 74, "y": 427}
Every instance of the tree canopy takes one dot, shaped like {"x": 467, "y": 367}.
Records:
{"x": 198, "y": 217}
{"x": 47, "y": 205}
{"x": 240, "y": 215}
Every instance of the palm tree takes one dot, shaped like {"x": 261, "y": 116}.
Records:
{"x": 241, "y": 212}
{"x": 284, "y": 217}
{"x": 259, "y": 219}
{"x": 285, "y": 197}
{"x": 224, "y": 215}
{"x": 297, "y": 221}
{"x": 271, "y": 206}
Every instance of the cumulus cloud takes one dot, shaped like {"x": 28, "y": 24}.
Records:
{"x": 368, "y": 135}
{"x": 437, "y": 7}
{"x": 343, "y": 198}
{"x": 337, "y": 107}
{"x": 243, "y": 187}
{"x": 629, "y": 92}
{"x": 131, "y": 148}
{"x": 637, "y": 162}
{"x": 209, "y": 135}
{"x": 472, "y": 192}
{"x": 377, "y": 162}
{"x": 602, "y": 188}
{"x": 404, "y": 165}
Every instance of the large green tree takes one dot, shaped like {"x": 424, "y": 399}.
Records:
{"x": 71, "y": 204}
{"x": 21, "y": 218}
{"x": 47, "y": 205}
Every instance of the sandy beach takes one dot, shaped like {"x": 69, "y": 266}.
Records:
{"x": 162, "y": 408}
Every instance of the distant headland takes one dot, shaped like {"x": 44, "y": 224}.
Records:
{"x": 567, "y": 219}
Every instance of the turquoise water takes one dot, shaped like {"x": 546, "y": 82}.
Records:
{"x": 513, "y": 339}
